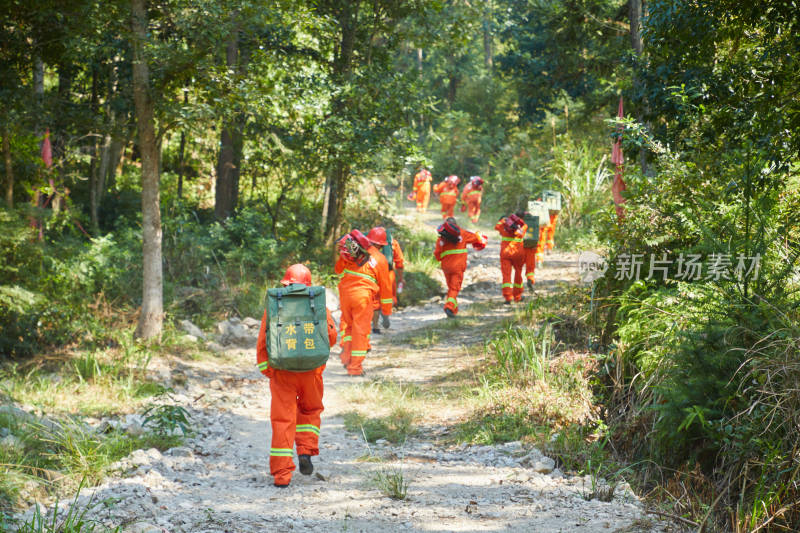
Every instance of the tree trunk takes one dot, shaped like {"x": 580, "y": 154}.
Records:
{"x": 451, "y": 89}
{"x": 9, "y": 168}
{"x": 334, "y": 201}
{"x": 94, "y": 166}
{"x": 488, "y": 54}
{"x": 181, "y": 150}
{"x": 152, "y": 315}
{"x": 339, "y": 170}
{"x": 635, "y": 7}
{"x": 227, "y": 190}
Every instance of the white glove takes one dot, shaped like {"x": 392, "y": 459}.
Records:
{"x": 400, "y": 288}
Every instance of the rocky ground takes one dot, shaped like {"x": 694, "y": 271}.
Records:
{"x": 218, "y": 481}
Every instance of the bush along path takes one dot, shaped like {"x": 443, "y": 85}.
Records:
{"x": 390, "y": 457}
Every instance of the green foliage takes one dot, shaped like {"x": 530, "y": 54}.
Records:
{"x": 521, "y": 352}
{"x": 75, "y": 519}
{"x": 395, "y": 428}
{"x": 391, "y": 482}
{"x": 165, "y": 419}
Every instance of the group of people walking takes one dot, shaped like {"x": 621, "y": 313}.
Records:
{"x": 297, "y": 331}
{"x": 448, "y": 193}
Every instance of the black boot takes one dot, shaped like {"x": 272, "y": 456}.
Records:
{"x": 449, "y": 312}
{"x": 306, "y": 468}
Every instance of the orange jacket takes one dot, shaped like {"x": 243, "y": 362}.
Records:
{"x": 511, "y": 243}
{"x": 453, "y": 256}
{"x": 471, "y": 194}
{"x": 448, "y": 193}
{"x": 261, "y": 345}
{"x": 398, "y": 261}
{"x": 372, "y": 276}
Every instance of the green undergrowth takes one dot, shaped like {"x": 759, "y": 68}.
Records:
{"x": 42, "y": 459}
{"x": 395, "y": 427}
{"x": 535, "y": 378}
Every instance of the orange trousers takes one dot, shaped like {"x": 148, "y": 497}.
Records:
{"x": 454, "y": 280}
{"x": 512, "y": 289}
{"x": 474, "y": 210}
{"x": 540, "y": 245}
{"x": 448, "y": 209}
{"x": 551, "y": 231}
{"x": 530, "y": 264}
{"x": 357, "y": 308}
{"x": 423, "y": 197}
{"x": 295, "y": 416}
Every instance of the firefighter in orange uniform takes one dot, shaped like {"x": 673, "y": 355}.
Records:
{"x": 421, "y": 191}
{"x": 448, "y": 195}
{"x": 512, "y": 255}
{"x": 451, "y": 252}
{"x": 471, "y": 198}
{"x": 296, "y": 400}
{"x": 393, "y": 254}
{"x": 364, "y": 279}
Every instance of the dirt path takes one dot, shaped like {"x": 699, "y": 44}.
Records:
{"x": 219, "y": 481}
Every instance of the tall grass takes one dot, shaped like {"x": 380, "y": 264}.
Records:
{"x": 522, "y": 353}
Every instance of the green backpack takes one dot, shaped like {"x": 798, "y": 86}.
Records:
{"x": 297, "y": 328}
{"x": 387, "y": 250}
{"x": 531, "y": 238}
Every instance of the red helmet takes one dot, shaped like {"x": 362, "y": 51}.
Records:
{"x": 513, "y": 222}
{"x": 453, "y": 179}
{"x": 449, "y": 230}
{"x": 477, "y": 181}
{"x": 297, "y": 273}
{"x": 377, "y": 236}
{"x": 353, "y": 247}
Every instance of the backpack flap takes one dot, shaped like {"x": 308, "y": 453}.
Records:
{"x": 297, "y": 330}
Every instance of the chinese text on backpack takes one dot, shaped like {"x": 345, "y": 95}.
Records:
{"x": 297, "y": 328}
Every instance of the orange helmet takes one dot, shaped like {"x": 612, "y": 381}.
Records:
{"x": 297, "y": 273}
{"x": 377, "y": 236}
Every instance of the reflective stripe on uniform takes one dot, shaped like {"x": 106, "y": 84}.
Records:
{"x": 263, "y": 366}
{"x": 512, "y": 239}
{"x": 280, "y": 452}
{"x": 308, "y": 428}
{"x": 359, "y": 353}
{"x": 518, "y": 286}
{"x": 470, "y": 193}
{"x": 359, "y": 274}
{"x": 448, "y": 193}
{"x": 529, "y": 275}
{"x": 453, "y": 301}
{"x": 348, "y": 338}
{"x": 451, "y": 252}
{"x": 387, "y": 300}
{"x": 507, "y": 285}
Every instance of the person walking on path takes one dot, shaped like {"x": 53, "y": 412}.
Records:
{"x": 471, "y": 198}
{"x": 421, "y": 192}
{"x": 382, "y": 239}
{"x": 448, "y": 195}
{"x": 364, "y": 280}
{"x": 296, "y": 404}
{"x": 451, "y": 252}
{"x": 512, "y": 256}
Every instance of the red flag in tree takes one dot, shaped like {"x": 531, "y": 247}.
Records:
{"x": 619, "y": 160}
